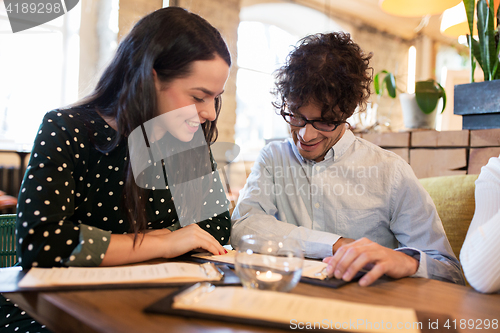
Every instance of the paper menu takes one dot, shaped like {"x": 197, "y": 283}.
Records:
{"x": 292, "y": 309}
{"x": 310, "y": 268}
{"x": 166, "y": 272}
{"x": 227, "y": 258}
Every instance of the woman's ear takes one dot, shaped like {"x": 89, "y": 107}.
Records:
{"x": 157, "y": 81}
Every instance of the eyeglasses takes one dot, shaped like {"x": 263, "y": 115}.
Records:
{"x": 320, "y": 125}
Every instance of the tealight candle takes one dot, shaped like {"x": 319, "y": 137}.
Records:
{"x": 269, "y": 277}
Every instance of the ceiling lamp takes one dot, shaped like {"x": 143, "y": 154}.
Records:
{"x": 454, "y": 22}
{"x": 416, "y": 8}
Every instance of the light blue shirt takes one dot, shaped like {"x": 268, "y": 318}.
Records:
{"x": 358, "y": 190}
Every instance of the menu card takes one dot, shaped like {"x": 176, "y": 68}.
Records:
{"x": 285, "y": 310}
{"x": 167, "y": 272}
{"x": 313, "y": 269}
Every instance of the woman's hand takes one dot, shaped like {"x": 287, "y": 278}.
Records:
{"x": 190, "y": 238}
{"x": 157, "y": 232}
{"x": 161, "y": 243}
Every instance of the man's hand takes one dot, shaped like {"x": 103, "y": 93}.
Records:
{"x": 340, "y": 242}
{"x": 348, "y": 259}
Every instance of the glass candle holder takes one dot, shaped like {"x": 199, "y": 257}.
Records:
{"x": 269, "y": 263}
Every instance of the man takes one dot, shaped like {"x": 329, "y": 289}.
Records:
{"x": 343, "y": 198}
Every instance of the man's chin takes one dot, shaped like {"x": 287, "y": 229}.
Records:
{"x": 309, "y": 155}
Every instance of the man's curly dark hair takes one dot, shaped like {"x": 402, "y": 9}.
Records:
{"x": 327, "y": 69}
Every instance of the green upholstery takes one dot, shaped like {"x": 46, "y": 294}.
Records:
{"x": 454, "y": 200}
{"x": 8, "y": 255}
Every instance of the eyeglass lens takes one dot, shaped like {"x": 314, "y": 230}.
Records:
{"x": 317, "y": 124}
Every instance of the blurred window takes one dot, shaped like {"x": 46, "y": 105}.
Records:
{"x": 266, "y": 35}
{"x": 39, "y": 72}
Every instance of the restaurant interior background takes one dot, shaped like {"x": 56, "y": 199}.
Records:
{"x": 57, "y": 63}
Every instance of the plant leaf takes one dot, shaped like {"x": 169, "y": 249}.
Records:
{"x": 492, "y": 39}
{"x": 443, "y": 95}
{"x": 469, "y": 9}
{"x": 390, "y": 83}
{"x": 496, "y": 71}
{"x": 497, "y": 15}
{"x": 376, "y": 83}
{"x": 486, "y": 34}
{"x": 472, "y": 59}
{"x": 428, "y": 94}
{"x": 476, "y": 50}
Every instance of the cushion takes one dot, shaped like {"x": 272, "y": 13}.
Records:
{"x": 454, "y": 200}
{"x": 7, "y": 201}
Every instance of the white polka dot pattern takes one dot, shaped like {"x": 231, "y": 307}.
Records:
{"x": 77, "y": 186}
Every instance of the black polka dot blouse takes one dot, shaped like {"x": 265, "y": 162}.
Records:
{"x": 71, "y": 196}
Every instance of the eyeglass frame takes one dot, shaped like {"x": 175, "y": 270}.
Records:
{"x": 307, "y": 121}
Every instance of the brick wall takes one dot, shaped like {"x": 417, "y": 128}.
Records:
{"x": 224, "y": 15}
{"x": 433, "y": 153}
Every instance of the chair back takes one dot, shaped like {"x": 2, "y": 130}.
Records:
{"x": 8, "y": 255}
{"x": 455, "y": 204}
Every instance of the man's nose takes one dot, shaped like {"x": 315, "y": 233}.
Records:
{"x": 308, "y": 133}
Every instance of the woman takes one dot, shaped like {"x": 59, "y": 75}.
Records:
{"x": 81, "y": 204}
{"x": 480, "y": 254}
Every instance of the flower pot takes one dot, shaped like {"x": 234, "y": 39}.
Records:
{"x": 413, "y": 117}
{"x": 479, "y": 104}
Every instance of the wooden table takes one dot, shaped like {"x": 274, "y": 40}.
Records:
{"x": 121, "y": 310}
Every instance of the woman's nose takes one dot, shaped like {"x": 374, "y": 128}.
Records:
{"x": 208, "y": 113}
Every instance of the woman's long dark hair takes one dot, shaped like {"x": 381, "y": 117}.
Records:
{"x": 168, "y": 41}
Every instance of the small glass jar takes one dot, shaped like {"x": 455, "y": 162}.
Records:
{"x": 269, "y": 263}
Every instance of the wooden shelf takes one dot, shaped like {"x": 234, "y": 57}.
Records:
{"x": 432, "y": 153}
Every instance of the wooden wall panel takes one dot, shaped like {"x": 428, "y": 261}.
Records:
{"x": 393, "y": 139}
{"x": 478, "y": 157}
{"x": 440, "y": 139}
{"x": 485, "y": 138}
{"x": 438, "y": 162}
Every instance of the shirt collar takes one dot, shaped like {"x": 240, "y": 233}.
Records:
{"x": 343, "y": 144}
{"x": 333, "y": 153}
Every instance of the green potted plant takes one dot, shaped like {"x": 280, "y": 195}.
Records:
{"x": 485, "y": 49}
{"x": 388, "y": 83}
{"x": 420, "y": 108}
{"x": 479, "y": 102}
{"x": 384, "y": 81}
{"x": 368, "y": 120}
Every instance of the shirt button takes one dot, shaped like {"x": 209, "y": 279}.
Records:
{"x": 316, "y": 205}
{"x": 318, "y": 168}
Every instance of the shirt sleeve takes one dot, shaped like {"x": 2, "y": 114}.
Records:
{"x": 46, "y": 235}
{"x": 480, "y": 253}
{"x": 418, "y": 228}
{"x": 256, "y": 214}
{"x": 92, "y": 246}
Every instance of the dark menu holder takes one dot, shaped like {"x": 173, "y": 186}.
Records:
{"x": 165, "y": 306}
{"x": 330, "y": 283}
